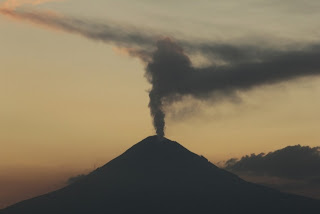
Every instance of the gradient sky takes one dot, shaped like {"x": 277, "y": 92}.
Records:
{"x": 69, "y": 104}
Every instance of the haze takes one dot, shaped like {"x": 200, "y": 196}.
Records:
{"x": 69, "y": 104}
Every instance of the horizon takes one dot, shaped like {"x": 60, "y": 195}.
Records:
{"x": 43, "y": 186}
{"x": 81, "y": 82}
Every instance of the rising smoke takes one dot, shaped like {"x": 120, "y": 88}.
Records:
{"x": 170, "y": 70}
{"x": 172, "y": 75}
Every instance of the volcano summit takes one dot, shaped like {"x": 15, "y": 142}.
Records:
{"x": 158, "y": 175}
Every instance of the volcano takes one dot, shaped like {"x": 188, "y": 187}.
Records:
{"x": 158, "y": 175}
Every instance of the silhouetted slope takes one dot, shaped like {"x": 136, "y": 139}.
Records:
{"x": 160, "y": 176}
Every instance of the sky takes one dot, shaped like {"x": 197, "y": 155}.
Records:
{"x": 71, "y": 103}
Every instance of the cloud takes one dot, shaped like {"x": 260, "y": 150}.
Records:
{"x": 169, "y": 67}
{"x": 292, "y": 169}
{"x": 292, "y": 162}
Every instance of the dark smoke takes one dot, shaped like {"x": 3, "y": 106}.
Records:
{"x": 170, "y": 71}
{"x": 166, "y": 72}
{"x": 108, "y": 32}
{"x": 173, "y": 76}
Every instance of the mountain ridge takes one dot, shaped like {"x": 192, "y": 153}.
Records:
{"x": 158, "y": 175}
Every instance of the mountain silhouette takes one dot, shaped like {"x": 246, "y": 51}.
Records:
{"x": 156, "y": 176}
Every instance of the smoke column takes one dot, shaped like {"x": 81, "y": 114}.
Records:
{"x": 172, "y": 75}
{"x": 168, "y": 66}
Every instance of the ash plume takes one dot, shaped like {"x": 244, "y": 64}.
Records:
{"x": 173, "y": 76}
{"x": 128, "y": 37}
{"x": 170, "y": 70}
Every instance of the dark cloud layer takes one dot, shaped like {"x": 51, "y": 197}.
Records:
{"x": 292, "y": 162}
{"x": 170, "y": 70}
{"x": 293, "y": 169}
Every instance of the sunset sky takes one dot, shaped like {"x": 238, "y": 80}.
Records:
{"x": 70, "y": 104}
